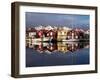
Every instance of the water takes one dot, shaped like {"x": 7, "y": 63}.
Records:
{"x": 56, "y": 54}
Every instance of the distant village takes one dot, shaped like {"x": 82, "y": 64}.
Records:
{"x": 49, "y": 33}
{"x": 48, "y": 38}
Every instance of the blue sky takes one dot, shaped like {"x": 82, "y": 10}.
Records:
{"x": 71, "y": 20}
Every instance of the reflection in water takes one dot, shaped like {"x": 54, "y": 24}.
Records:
{"x": 56, "y": 53}
{"x": 49, "y": 47}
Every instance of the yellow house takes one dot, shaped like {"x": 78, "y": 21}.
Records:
{"x": 62, "y": 33}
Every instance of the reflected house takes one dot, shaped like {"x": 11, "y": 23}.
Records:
{"x": 45, "y": 47}
{"x": 62, "y": 47}
{"x": 51, "y": 47}
{"x": 39, "y": 48}
{"x": 73, "y": 47}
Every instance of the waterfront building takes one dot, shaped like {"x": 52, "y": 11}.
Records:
{"x": 31, "y": 33}
{"x": 49, "y": 33}
{"x": 61, "y": 34}
{"x": 52, "y": 34}
{"x": 75, "y": 35}
{"x": 40, "y": 33}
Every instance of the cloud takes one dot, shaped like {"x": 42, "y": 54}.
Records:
{"x": 56, "y": 19}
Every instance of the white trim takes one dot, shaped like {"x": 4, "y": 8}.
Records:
{"x": 52, "y": 69}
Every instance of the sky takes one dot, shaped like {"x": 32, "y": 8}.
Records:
{"x": 34, "y": 19}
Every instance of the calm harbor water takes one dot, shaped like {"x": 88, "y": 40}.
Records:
{"x": 77, "y": 54}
